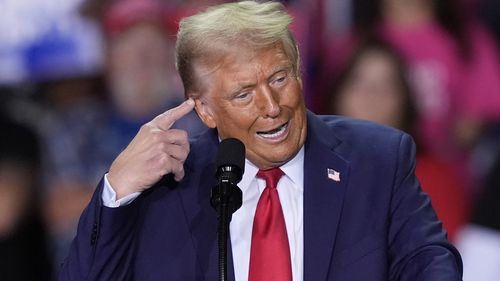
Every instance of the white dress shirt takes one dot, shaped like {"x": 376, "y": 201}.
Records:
{"x": 290, "y": 189}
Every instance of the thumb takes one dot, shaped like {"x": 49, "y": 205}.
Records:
{"x": 165, "y": 120}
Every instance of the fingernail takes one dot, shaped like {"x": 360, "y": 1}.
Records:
{"x": 190, "y": 101}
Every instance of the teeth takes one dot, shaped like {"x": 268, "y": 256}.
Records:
{"x": 274, "y": 133}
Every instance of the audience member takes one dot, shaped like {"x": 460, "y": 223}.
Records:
{"x": 454, "y": 68}
{"x": 89, "y": 132}
{"x": 23, "y": 239}
{"x": 374, "y": 86}
{"x": 73, "y": 153}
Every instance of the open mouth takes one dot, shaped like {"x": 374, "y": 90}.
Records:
{"x": 275, "y": 133}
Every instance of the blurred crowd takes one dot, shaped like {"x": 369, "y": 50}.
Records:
{"x": 428, "y": 67}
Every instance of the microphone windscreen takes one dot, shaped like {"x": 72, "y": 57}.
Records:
{"x": 231, "y": 153}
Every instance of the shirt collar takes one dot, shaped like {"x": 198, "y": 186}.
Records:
{"x": 293, "y": 169}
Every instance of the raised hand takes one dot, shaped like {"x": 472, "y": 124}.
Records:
{"x": 155, "y": 151}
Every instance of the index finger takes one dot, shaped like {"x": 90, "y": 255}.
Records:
{"x": 165, "y": 120}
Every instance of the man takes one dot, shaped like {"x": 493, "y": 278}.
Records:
{"x": 348, "y": 197}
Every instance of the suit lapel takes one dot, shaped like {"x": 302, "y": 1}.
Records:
{"x": 323, "y": 198}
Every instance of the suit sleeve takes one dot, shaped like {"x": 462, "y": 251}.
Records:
{"x": 418, "y": 246}
{"x": 104, "y": 245}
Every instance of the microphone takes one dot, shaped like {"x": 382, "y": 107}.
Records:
{"x": 230, "y": 165}
{"x": 231, "y": 160}
{"x": 226, "y": 197}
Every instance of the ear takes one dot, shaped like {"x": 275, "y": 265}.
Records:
{"x": 204, "y": 112}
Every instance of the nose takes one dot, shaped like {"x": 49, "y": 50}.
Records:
{"x": 269, "y": 102}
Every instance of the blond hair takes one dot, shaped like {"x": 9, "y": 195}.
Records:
{"x": 206, "y": 36}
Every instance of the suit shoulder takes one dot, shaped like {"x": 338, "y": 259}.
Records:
{"x": 365, "y": 136}
{"x": 349, "y": 127}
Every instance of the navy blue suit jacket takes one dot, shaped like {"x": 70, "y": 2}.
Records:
{"x": 374, "y": 224}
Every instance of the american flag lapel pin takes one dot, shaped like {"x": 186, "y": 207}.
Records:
{"x": 333, "y": 175}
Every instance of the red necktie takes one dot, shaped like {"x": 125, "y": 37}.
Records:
{"x": 270, "y": 251}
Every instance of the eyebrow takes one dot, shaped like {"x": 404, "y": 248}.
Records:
{"x": 281, "y": 67}
{"x": 239, "y": 88}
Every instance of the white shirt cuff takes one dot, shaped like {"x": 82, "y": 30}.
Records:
{"x": 109, "y": 196}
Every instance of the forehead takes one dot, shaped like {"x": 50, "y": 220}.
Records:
{"x": 140, "y": 34}
{"x": 242, "y": 65}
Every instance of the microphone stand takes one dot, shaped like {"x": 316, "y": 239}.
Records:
{"x": 226, "y": 198}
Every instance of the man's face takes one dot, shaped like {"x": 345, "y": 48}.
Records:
{"x": 255, "y": 96}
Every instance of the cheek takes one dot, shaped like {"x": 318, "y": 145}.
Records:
{"x": 295, "y": 92}
{"x": 292, "y": 98}
{"x": 234, "y": 120}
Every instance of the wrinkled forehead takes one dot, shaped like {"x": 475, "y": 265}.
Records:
{"x": 239, "y": 64}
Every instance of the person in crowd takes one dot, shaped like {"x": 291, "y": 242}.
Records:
{"x": 322, "y": 196}
{"x": 96, "y": 118}
{"x": 24, "y": 253}
{"x": 454, "y": 69}
{"x": 374, "y": 86}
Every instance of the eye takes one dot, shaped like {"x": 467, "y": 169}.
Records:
{"x": 280, "y": 79}
{"x": 243, "y": 96}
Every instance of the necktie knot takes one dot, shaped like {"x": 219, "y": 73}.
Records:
{"x": 271, "y": 176}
